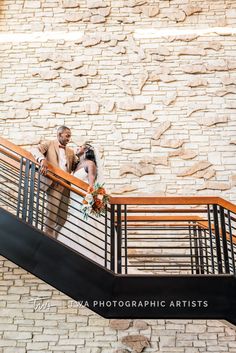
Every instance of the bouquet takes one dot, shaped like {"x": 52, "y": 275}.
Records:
{"x": 95, "y": 201}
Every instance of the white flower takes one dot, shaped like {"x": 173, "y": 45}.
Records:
{"x": 89, "y": 198}
{"x": 100, "y": 197}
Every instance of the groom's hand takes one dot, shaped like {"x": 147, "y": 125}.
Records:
{"x": 43, "y": 167}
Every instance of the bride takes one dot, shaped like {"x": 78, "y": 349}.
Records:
{"x": 88, "y": 237}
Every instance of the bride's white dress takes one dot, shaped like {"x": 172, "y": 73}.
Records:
{"x": 85, "y": 236}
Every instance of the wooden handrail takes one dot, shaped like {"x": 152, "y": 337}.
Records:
{"x": 173, "y": 200}
{"x": 52, "y": 170}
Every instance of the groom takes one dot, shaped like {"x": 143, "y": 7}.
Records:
{"x": 58, "y": 154}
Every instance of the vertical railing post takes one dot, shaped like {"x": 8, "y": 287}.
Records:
{"x": 113, "y": 238}
{"x": 231, "y": 242}
{"x": 191, "y": 248}
{"x": 196, "y": 248}
{"x": 25, "y": 190}
{"x": 224, "y": 240}
{"x": 126, "y": 240}
{"x": 206, "y": 250}
{"x": 217, "y": 236}
{"x": 31, "y": 193}
{"x": 200, "y": 250}
{"x": 119, "y": 239}
{"x": 210, "y": 235}
{"x": 37, "y": 200}
{"x": 106, "y": 239}
{"x": 18, "y": 210}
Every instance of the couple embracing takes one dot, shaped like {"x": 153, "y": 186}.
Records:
{"x": 83, "y": 163}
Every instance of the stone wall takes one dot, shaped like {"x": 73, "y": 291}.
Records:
{"x": 36, "y": 318}
{"x": 152, "y": 84}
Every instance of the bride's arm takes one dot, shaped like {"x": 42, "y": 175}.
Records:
{"x": 92, "y": 172}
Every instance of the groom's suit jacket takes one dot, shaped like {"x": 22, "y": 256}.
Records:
{"x": 50, "y": 151}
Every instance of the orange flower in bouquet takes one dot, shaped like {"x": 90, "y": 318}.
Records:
{"x": 95, "y": 201}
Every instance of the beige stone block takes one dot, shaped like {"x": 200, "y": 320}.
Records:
{"x": 109, "y": 105}
{"x": 226, "y": 91}
{"x": 183, "y": 38}
{"x": 190, "y": 9}
{"x": 140, "y": 325}
{"x": 125, "y": 20}
{"x": 195, "y": 69}
{"x": 195, "y": 168}
{"x": 93, "y": 4}
{"x": 151, "y": 11}
{"x": 105, "y": 11}
{"x": 70, "y": 4}
{"x": 73, "y": 17}
{"x": 7, "y": 343}
{"x": 196, "y": 108}
{"x": 126, "y": 188}
{"x": 92, "y": 108}
{"x": 98, "y": 19}
{"x": 120, "y": 324}
{"x": 217, "y": 65}
{"x": 167, "y": 78}
{"x": 137, "y": 169}
{"x": 130, "y": 146}
{"x": 161, "y": 129}
{"x": 215, "y": 185}
{"x": 124, "y": 85}
{"x": 198, "y": 82}
{"x": 130, "y": 105}
{"x": 91, "y": 41}
{"x": 168, "y": 143}
{"x": 192, "y": 51}
{"x": 134, "y": 3}
{"x": 174, "y": 14}
{"x": 136, "y": 342}
{"x": 32, "y": 4}
{"x": 18, "y": 290}
{"x": 37, "y": 345}
{"x": 63, "y": 110}
{"x": 77, "y": 83}
{"x": 213, "y": 45}
{"x": 206, "y": 174}
{"x": 17, "y": 335}
{"x": 119, "y": 50}
{"x": 211, "y": 121}
{"x": 183, "y": 153}
{"x": 33, "y": 106}
{"x": 170, "y": 99}
{"x": 47, "y": 75}
{"x": 86, "y": 71}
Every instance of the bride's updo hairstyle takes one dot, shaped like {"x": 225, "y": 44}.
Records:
{"x": 89, "y": 153}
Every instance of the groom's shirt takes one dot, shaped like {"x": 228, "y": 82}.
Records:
{"x": 62, "y": 158}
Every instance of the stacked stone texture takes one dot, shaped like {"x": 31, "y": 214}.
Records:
{"x": 161, "y": 108}
{"x": 98, "y": 68}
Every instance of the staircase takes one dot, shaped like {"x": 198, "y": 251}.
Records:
{"x": 170, "y": 257}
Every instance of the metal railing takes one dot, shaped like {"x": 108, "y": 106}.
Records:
{"x": 136, "y": 235}
{"x": 190, "y": 239}
{"x": 22, "y": 193}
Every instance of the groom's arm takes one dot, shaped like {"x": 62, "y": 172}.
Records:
{"x": 39, "y": 153}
